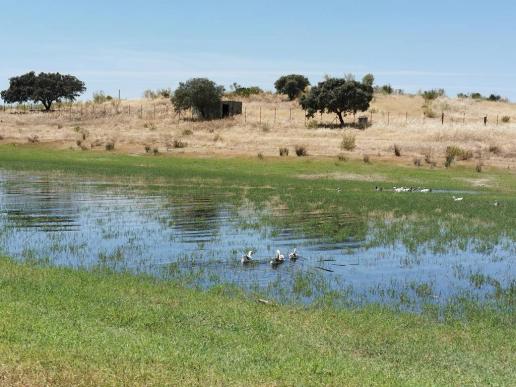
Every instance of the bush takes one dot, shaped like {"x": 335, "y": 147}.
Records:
{"x": 155, "y": 151}
{"x": 283, "y": 152}
{"x": 459, "y": 153}
{"x": 187, "y": 132}
{"x": 366, "y": 159}
{"x": 179, "y": 144}
{"x": 506, "y": 119}
{"x": 260, "y": 156}
{"x": 397, "y": 150}
{"x": 245, "y": 91}
{"x": 342, "y": 157}
{"x": 301, "y": 151}
{"x": 478, "y": 167}
{"x": 100, "y": 97}
{"x": 110, "y": 145}
{"x": 348, "y": 142}
{"x": 147, "y": 148}
{"x": 417, "y": 161}
{"x": 33, "y": 139}
{"x": 150, "y": 126}
{"x": 312, "y": 124}
{"x": 430, "y": 95}
{"x": 495, "y": 149}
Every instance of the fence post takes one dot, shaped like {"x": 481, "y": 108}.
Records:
{"x": 260, "y": 114}
{"x": 245, "y": 115}
{"x": 497, "y": 120}
{"x": 485, "y": 121}
{"x": 442, "y": 118}
{"x": 141, "y": 112}
{"x": 463, "y": 118}
{"x": 290, "y": 114}
{"x": 371, "y": 118}
{"x": 388, "y": 118}
{"x": 274, "y": 115}
{"x": 406, "y": 118}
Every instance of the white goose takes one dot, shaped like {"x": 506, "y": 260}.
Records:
{"x": 458, "y": 199}
{"x": 293, "y": 256}
{"x": 247, "y": 258}
{"x": 278, "y": 259}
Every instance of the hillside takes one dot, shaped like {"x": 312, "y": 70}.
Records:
{"x": 269, "y": 122}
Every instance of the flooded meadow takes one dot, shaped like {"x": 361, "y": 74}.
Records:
{"x": 195, "y": 231}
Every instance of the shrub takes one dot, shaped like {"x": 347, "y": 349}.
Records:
{"x": 449, "y": 160}
{"x": 199, "y": 94}
{"x": 301, "y": 151}
{"x": 245, "y": 91}
{"x": 417, "y": 161}
{"x": 495, "y": 149}
{"x": 187, "y": 132}
{"x": 312, "y": 124}
{"x": 479, "y": 166}
{"x": 342, "y": 157}
{"x": 33, "y": 139}
{"x": 283, "y": 152}
{"x": 150, "y": 126}
{"x": 179, "y": 144}
{"x": 260, "y": 156}
{"x": 147, "y": 148}
{"x": 100, "y": 97}
{"x": 430, "y": 95}
{"x": 266, "y": 128}
{"x": 155, "y": 151}
{"x": 456, "y": 152}
{"x": 217, "y": 137}
{"x": 506, "y": 119}
{"x": 366, "y": 159}
{"x": 348, "y": 142}
{"x": 110, "y": 145}
{"x": 397, "y": 150}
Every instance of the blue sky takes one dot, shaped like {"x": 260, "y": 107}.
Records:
{"x": 135, "y": 45}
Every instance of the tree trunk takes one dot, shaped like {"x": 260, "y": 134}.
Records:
{"x": 339, "y": 114}
{"x": 47, "y": 105}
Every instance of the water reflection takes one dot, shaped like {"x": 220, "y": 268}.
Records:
{"x": 199, "y": 234}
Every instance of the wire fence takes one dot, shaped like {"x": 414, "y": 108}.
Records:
{"x": 267, "y": 115}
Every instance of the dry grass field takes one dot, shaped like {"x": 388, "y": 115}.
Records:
{"x": 270, "y": 122}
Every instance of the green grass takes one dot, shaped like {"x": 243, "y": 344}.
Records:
{"x": 60, "y": 326}
{"x": 63, "y": 327}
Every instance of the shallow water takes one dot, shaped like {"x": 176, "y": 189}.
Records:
{"x": 200, "y": 234}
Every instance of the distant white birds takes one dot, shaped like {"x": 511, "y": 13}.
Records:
{"x": 278, "y": 259}
{"x": 457, "y": 199}
{"x": 410, "y": 189}
{"x": 247, "y": 258}
{"x": 293, "y": 255}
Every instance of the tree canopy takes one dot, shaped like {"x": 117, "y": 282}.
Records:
{"x": 340, "y": 96}
{"x": 198, "y": 93}
{"x": 292, "y": 85}
{"x": 45, "y": 88}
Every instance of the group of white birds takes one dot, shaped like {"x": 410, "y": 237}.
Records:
{"x": 277, "y": 260}
{"x": 411, "y": 189}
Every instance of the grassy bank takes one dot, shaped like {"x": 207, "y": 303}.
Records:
{"x": 60, "y": 326}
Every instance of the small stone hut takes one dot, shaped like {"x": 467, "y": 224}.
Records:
{"x": 223, "y": 110}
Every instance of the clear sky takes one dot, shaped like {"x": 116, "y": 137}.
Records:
{"x": 135, "y": 45}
